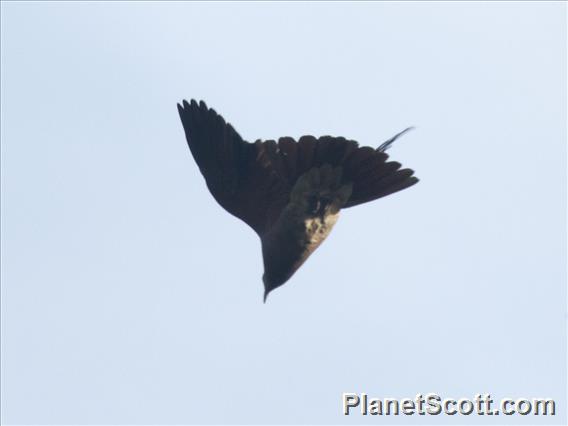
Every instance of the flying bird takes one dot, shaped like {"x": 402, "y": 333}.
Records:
{"x": 289, "y": 192}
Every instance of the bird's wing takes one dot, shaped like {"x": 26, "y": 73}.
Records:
{"x": 253, "y": 181}
{"x": 239, "y": 174}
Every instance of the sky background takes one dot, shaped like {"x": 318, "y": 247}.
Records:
{"x": 130, "y": 296}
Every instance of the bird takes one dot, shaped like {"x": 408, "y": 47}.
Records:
{"x": 289, "y": 192}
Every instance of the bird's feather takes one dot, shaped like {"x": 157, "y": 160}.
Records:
{"x": 253, "y": 180}
{"x": 290, "y": 192}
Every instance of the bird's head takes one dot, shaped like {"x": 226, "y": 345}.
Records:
{"x": 270, "y": 283}
{"x": 267, "y": 286}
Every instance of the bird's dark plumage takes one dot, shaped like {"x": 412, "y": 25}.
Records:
{"x": 289, "y": 192}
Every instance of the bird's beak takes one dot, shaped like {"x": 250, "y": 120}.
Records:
{"x": 265, "y": 295}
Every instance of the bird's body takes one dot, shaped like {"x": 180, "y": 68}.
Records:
{"x": 289, "y": 192}
{"x": 315, "y": 202}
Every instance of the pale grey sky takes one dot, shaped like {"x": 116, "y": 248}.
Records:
{"x": 130, "y": 296}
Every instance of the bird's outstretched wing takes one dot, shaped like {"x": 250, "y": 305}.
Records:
{"x": 253, "y": 181}
{"x": 239, "y": 174}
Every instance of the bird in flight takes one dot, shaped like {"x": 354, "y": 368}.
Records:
{"x": 289, "y": 192}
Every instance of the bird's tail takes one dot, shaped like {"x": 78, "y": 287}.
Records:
{"x": 366, "y": 168}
